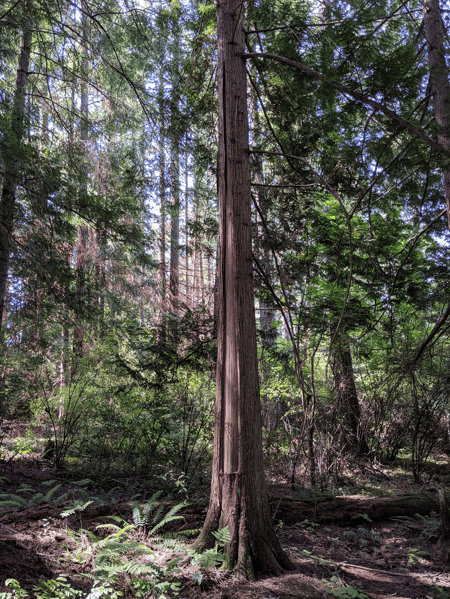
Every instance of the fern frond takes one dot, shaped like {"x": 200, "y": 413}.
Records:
{"x": 181, "y": 534}
{"x": 14, "y": 500}
{"x": 223, "y": 536}
{"x": 71, "y": 534}
{"x": 163, "y": 522}
{"x": 87, "y": 575}
{"x": 139, "y": 518}
{"x": 38, "y": 499}
{"x": 208, "y": 559}
{"x": 121, "y": 531}
{"x": 173, "y": 563}
{"x": 169, "y": 543}
{"x": 51, "y": 492}
{"x": 81, "y": 483}
{"x": 169, "y": 517}
{"x": 111, "y": 526}
{"x": 112, "y": 546}
{"x": 157, "y": 516}
{"x": 84, "y": 493}
{"x": 153, "y": 499}
{"x": 176, "y": 509}
{"x": 109, "y": 493}
{"x": 137, "y": 569}
{"x": 90, "y": 535}
{"x": 78, "y": 506}
{"x": 24, "y": 488}
{"x": 117, "y": 519}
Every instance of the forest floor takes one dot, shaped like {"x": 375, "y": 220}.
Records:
{"x": 333, "y": 553}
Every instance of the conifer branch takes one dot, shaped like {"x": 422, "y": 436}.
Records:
{"x": 357, "y": 96}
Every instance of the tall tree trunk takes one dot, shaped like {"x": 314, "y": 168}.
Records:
{"x": 186, "y": 220}
{"x": 195, "y": 259}
{"x": 202, "y": 282}
{"x": 78, "y": 332}
{"x": 239, "y": 497}
{"x": 174, "y": 282}
{"x": 82, "y": 236}
{"x": 98, "y": 240}
{"x": 11, "y": 158}
{"x": 439, "y": 82}
{"x": 347, "y": 408}
{"x": 175, "y": 176}
{"x": 162, "y": 188}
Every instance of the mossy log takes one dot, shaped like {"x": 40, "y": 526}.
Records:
{"x": 342, "y": 509}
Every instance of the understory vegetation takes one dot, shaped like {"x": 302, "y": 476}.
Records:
{"x": 115, "y": 536}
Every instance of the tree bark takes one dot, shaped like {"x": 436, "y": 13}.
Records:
{"x": 186, "y": 220}
{"x": 174, "y": 282}
{"x": 439, "y": 82}
{"x": 11, "y": 159}
{"x": 78, "y": 331}
{"x": 347, "y": 406}
{"x": 238, "y": 497}
{"x": 83, "y": 232}
{"x": 162, "y": 188}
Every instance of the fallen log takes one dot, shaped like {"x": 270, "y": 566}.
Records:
{"x": 345, "y": 509}
{"x": 290, "y": 511}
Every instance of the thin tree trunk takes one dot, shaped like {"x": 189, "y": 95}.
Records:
{"x": 312, "y": 454}
{"x": 238, "y": 497}
{"x": 266, "y": 312}
{"x": 100, "y": 275}
{"x": 44, "y": 123}
{"x": 186, "y": 220}
{"x": 175, "y": 227}
{"x": 439, "y": 82}
{"x": 78, "y": 333}
{"x": 174, "y": 282}
{"x": 82, "y": 236}
{"x": 162, "y": 190}
{"x": 11, "y": 161}
{"x": 202, "y": 281}
{"x": 195, "y": 264}
{"x": 63, "y": 368}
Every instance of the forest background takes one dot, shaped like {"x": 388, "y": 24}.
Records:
{"x": 109, "y": 224}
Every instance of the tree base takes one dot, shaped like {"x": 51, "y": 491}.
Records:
{"x": 254, "y": 546}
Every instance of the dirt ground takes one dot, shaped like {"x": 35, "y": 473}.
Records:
{"x": 352, "y": 557}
